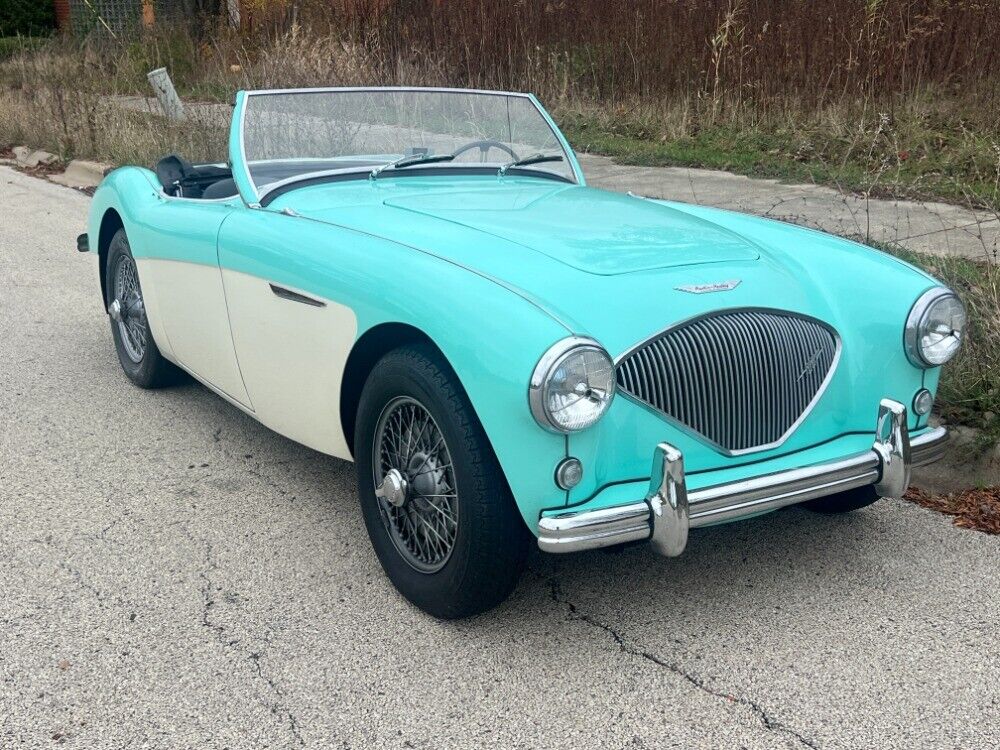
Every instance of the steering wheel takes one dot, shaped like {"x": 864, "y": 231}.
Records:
{"x": 484, "y": 147}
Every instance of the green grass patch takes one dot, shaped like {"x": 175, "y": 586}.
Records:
{"x": 12, "y": 45}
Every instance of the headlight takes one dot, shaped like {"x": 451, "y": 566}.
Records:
{"x": 572, "y": 385}
{"x": 935, "y": 328}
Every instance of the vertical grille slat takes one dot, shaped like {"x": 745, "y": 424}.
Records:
{"x": 740, "y": 379}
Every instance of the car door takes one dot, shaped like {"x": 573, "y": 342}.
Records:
{"x": 292, "y": 325}
{"x": 181, "y": 269}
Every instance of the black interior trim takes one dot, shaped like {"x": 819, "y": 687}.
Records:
{"x": 423, "y": 172}
{"x": 182, "y": 179}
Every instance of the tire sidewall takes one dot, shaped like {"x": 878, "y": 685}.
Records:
{"x": 140, "y": 372}
{"x": 844, "y": 502}
{"x": 432, "y": 592}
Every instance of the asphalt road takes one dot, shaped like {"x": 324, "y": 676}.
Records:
{"x": 174, "y": 575}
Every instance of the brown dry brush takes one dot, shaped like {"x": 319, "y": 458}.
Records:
{"x": 707, "y": 61}
{"x": 62, "y": 97}
{"x": 730, "y": 53}
{"x": 754, "y": 51}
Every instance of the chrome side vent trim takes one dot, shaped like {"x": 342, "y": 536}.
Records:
{"x": 742, "y": 380}
{"x": 280, "y": 291}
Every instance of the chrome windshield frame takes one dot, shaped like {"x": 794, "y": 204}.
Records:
{"x": 252, "y": 196}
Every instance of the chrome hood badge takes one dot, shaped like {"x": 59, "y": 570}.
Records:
{"x": 718, "y": 286}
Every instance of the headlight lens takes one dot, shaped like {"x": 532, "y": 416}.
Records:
{"x": 572, "y": 385}
{"x": 935, "y": 328}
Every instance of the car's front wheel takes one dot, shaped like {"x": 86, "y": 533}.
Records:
{"x": 437, "y": 507}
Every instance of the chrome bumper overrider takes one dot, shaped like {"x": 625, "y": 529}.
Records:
{"x": 667, "y": 512}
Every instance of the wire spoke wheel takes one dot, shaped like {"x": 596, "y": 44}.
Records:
{"x": 130, "y": 313}
{"x": 415, "y": 484}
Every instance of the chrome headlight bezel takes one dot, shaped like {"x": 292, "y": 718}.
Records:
{"x": 917, "y": 321}
{"x": 547, "y": 365}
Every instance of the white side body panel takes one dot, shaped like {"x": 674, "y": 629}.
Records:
{"x": 190, "y": 309}
{"x": 292, "y": 357}
{"x": 154, "y": 313}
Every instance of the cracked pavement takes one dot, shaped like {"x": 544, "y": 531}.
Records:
{"x": 174, "y": 575}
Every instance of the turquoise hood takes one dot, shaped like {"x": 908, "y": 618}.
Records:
{"x": 594, "y": 231}
{"x": 611, "y": 265}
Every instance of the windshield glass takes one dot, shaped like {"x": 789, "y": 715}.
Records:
{"x": 291, "y": 135}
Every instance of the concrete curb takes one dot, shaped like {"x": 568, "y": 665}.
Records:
{"x": 82, "y": 174}
{"x": 27, "y": 157}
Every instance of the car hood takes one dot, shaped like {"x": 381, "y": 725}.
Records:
{"x": 618, "y": 267}
{"x": 594, "y": 231}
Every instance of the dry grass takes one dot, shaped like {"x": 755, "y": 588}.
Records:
{"x": 922, "y": 147}
{"x": 732, "y": 53}
{"x": 65, "y": 95}
{"x": 101, "y": 130}
{"x": 58, "y": 98}
{"x": 890, "y": 96}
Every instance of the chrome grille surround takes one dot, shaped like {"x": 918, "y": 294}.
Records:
{"x": 740, "y": 380}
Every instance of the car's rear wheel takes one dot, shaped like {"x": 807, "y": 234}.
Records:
{"x": 844, "y": 502}
{"x": 139, "y": 356}
{"x": 437, "y": 507}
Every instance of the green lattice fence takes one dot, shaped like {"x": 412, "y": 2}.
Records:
{"x": 118, "y": 15}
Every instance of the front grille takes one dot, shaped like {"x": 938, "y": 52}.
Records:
{"x": 740, "y": 379}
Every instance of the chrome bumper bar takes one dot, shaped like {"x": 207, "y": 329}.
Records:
{"x": 669, "y": 509}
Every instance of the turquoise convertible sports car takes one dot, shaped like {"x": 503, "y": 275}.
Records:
{"x": 419, "y": 280}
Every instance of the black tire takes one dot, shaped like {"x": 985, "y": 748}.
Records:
{"x": 844, "y": 502}
{"x": 491, "y": 543}
{"x": 150, "y": 370}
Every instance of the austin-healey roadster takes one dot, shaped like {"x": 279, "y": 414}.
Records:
{"x": 421, "y": 281}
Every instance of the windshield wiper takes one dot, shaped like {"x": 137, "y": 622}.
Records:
{"x": 409, "y": 161}
{"x": 527, "y": 161}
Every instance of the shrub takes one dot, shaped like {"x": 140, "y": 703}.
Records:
{"x": 26, "y": 18}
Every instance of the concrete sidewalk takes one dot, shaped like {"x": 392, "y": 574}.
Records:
{"x": 937, "y": 228}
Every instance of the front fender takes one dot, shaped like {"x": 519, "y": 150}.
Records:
{"x": 491, "y": 336}
{"x": 127, "y": 191}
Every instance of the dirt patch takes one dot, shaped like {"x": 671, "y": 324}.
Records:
{"x": 42, "y": 170}
{"x": 977, "y": 509}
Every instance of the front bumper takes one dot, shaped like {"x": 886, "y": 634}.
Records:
{"x": 664, "y": 516}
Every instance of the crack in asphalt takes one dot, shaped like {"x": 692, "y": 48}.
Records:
{"x": 766, "y": 720}
{"x": 254, "y": 467}
{"x": 82, "y": 582}
{"x": 103, "y": 533}
{"x": 278, "y": 708}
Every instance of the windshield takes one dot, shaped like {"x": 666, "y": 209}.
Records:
{"x": 292, "y": 135}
